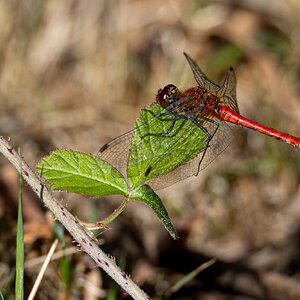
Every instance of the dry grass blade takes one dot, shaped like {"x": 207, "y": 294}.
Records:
{"x": 43, "y": 270}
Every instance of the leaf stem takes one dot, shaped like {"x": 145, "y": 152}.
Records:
{"x": 103, "y": 223}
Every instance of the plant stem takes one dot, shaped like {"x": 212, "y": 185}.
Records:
{"x": 76, "y": 230}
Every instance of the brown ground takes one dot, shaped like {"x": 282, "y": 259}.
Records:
{"x": 75, "y": 74}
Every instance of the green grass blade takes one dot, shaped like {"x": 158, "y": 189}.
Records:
{"x": 65, "y": 266}
{"x": 190, "y": 276}
{"x": 19, "y": 285}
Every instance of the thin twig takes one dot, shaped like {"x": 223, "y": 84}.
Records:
{"x": 71, "y": 223}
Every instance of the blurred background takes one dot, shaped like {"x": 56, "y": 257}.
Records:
{"x": 75, "y": 74}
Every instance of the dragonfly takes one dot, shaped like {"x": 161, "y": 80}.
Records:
{"x": 201, "y": 112}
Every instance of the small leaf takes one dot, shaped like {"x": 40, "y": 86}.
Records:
{"x": 145, "y": 194}
{"x": 81, "y": 173}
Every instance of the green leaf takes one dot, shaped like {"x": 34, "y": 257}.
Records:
{"x": 145, "y": 194}
{"x": 161, "y": 144}
{"x": 81, "y": 173}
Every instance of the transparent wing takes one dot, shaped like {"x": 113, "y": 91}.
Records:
{"x": 200, "y": 77}
{"x": 216, "y": 146}
{"x": 116, "y": 152}
{"x": 227, "y": 92}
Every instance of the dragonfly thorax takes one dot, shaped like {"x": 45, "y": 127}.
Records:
{"x": 168, "y": 95}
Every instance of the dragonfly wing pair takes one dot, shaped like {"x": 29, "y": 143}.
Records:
{"x": 226, "y": 92}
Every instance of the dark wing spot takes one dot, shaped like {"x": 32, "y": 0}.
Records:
{"x": 103, "y": 148}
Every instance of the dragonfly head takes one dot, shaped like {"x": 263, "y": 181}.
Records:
{"x": 167, "y": 95}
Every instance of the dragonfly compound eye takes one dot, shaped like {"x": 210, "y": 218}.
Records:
{"x": 167, "y": 95}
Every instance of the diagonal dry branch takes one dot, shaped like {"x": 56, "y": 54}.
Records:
{"x": 71, "y": 224}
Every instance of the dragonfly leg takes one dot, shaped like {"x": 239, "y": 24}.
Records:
{"x": 172, "y": 126}
{"x": 210, "y": 137}
{"x": 167, "y": 133}
{"x": 158, "y": 116}
{"x": 202, "y": 127}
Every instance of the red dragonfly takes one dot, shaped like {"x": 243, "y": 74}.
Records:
{"x": 208, "y": 106}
